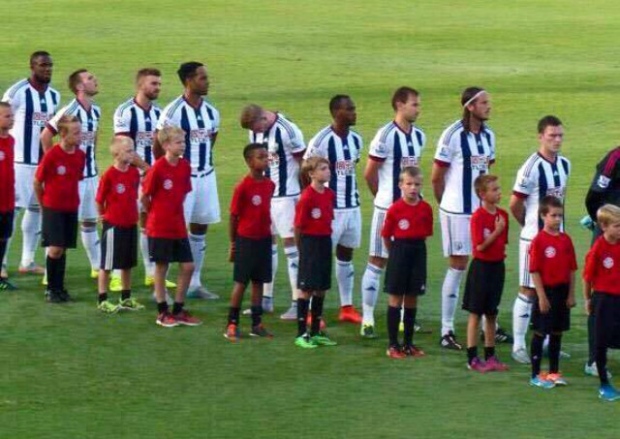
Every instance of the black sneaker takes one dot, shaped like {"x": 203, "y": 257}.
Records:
{"x": 5, "y": 285}
{"x": 64, "y": 295}
{"x": 53, "y": 296}
{"x": 501, "y": 336}
{"x": 448, "y": 341}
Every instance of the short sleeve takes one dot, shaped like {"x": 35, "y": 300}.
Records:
{"x": 52, "y": 124}
{"x": 296, "y": 139}
{"x": 535, "y": 257}
{"x": 216, "y": 119}
{"x": 168, "y": 119}
{"x": 445, "y": 152}
{"x": 378, "y": 148}
{"x": 103, "y": 188}
{"x": 41, "y": 173}
{"x": 149, "y": 182}
{"x": 315, "y": 148}
{"x": 388, "y": 224}
{"x": 606, "y": 171}
{"x": 525, "y": 182}
{"x": 235, "y": 202}
{"x": 589, "y": 269}
{"x": 122, "y": 120}
{"x": 573, "y": 257}
{"x": 477, "y": 233}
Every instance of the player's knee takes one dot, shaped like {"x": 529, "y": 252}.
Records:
{"x": 377, "y": 261}
{"x": 198, "y": 229}
{"x": 343, "y": 253}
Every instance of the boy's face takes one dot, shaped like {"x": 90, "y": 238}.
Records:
{"x": 175, "y": 146}
{"x": 553, "y": 219}
{"x": 259, "y": 160}
{"x": 612, "y": 230}
{"x": 492, "y": 194}
{"x": 321, "y": 174}
{"x": 410, "y": 187}
{"x": 73, "y": 136}
{"x": 125, "y": 154}
{"x": 6, "y": 118}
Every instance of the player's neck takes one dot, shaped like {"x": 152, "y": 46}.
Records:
{"x": 489, "y": 207}
{"x": 4, "y": 133}
{"x": 610, "y": 239}
{"x": 193, "y": 99}
{"x": 84, "y": 100}
{"x": 69, "y": 149}
{"x": 412, "y": 201}
{"x": 38, "y": 85}
{"x": 548, "y": 155}
{"x": 143, "y": 101}
{"x": 402, "y": 123}
{"x": 257, "y": 174}
{"x": 340, "y": 129}
{"x": 551, "y": 231}
{"x": 318, "y": 186}
{"x": 121, "y": 166}
{"x": 172, "y": 159}
{"x": 475, "y": 125}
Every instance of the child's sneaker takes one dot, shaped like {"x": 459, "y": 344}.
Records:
{"x": 590, "y": 369}
{"x": 94, "y": 273}
{"x": 149, "y": 281}
{"x": 130, "y": 304}
{"x": 395, "y": 352}
{"x": 31, "y": 268}
{"x": 291, "y": 313}
{"x": 166, "y": 320}
{"x": 413, "y": 351}
{"x": 260, "y": 331}
{"x": 5, "y": 285}
{"x": 493, "y": 363}
{"x": 555, "y": 378}
{"x": 607, "y": 392}
{"x": 232, "y": 333}
{"x": 116, "y": 285}
{"x": 350, "y": 315}
{"x": 478, "y": 365}
{"x": 368, "y": 331}
{"x": 304, "y": 342}
{"x": 448, "y": 341}
{"x": 539, "y": 381}
{"x": 108, "y": 307}
{"x": 321, "y": 339}
{"x": 521, "y": 356}
{"x": 186, "y": 319}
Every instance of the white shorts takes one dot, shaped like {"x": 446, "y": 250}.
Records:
{"x": 24, "y": 186}
{"x": 525, "y": 278}
{"x": 88, "y": 191}
{"x": 455, "y": 234}
{"x": 283, "y": 216}
{"x": 202, "y": 205}
{"x": 377, "y": 249}
{"x": 347, "y": 228}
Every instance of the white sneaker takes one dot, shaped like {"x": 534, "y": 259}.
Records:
{"x": 521, "y": 356}
{"x": 591, "y": 370}
{"x": 291, "y": 313}
{"x": 201, "y": 293}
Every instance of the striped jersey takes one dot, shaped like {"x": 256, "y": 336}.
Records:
{"x": 343, "y": 154}
{"x": 90, "y": 126}
{"x": 467, "y": 156}
{"x": 396, "y": 149}
{"x": 200, "y": 125}
{"x": 139, "y": 124}
{"x": 283, "y": 140}
{"x": 536, "y": 179}
{"x": 31, "y": 109}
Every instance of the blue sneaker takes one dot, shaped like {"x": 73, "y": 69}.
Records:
{"x": 538, "y": 381}
{"x": 607, "y": 392}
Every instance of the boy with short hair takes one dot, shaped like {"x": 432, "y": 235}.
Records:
{"x": 601, "y": 290}
{"x": 250, "y": 240}
{"x": 163, "y": 191}
{"x": 7, "y": 185}
{"x": 56, "y": 185}
{"x": 116, "y": 203}
{"x": 408, "y": 222}
{"x": 552, "y": 266}
{"x": 485, "y": 278}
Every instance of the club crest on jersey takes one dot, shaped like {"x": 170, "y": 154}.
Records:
{"x": 61, "y": 170}
{"x": 2, "y": 156}
{"x": 486, "y": 232}
{"x": 257, "y": 200}
{"x": 479, "y": 163}
{"x": 608, "y": 262}
{"x": 315, "y": 213}
{"x": 168, "y": 184}
{"x": 550, "y": 252}
{"x": 603, "y": 182}
{"x": 408, "y": 162}
{"x": 120, "y": 188}
{"x": 403, "y": 224}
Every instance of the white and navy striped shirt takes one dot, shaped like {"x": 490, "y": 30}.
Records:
{"x": 343, "y": 155}
{"x": 90, "y": 126}
{"x": 200, "y": 125}
{"x": 139, "y": 124}
{"x": 396, "y": 149}
{"x": 467, "y": 155}
{"x": 536, "y": 179}
{"x": 283, "y": 140}
{"x": 32, "y": 110}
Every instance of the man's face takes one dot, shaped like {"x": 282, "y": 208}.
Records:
{"x": 551, "y": 139}
{"x": 41, "y": 68}
{"x": 409, "y": 109}
{"x": 150, "y": 86}
{"x": 89, "y": 84}
{"x": 481, "y": 107}
{"x": 346, "y": 113}
{"x": 199, "y": 83}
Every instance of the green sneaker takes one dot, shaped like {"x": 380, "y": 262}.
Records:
{"x": 116, "y": 286}
{"x": 368, "y": 331}
{"x": 303, "y": 341}
{"x": 108, "y": 307}
{"x": 321, "y": 339}
{"x": 130, "y": 304}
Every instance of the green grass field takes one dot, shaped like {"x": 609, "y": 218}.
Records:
{"x": 70, "y": 372}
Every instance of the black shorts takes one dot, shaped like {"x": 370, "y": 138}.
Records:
{"x": 558, "y": 317}
{"x": 484, "y": 287}
{"x": 119, "y": 247}
{"x": 606, "y": 310}
{"x": 315, "y": 263}
{"x": 6, "y": 224}
{"x": 165, "y": 251}
{"x": 252, "y": 260}
{"x": 58, "y": 229}
{"x": 406, "y": 268}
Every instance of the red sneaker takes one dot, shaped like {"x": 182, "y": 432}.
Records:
{"x": 395, "y": 352}
{"x": 232, "y": 333}
{"x": 413, "y": 351}
{"x": 166, "y": 320}
{"x": 349, "y": 314}
{"x": 186, "y": 319}
{"x": 309, "y": 322}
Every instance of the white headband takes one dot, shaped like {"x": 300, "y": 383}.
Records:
{"x": 473, "y": 98}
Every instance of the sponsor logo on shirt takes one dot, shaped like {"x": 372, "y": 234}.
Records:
{"x": 403, "y": 224}
{"x": 550, "y": 252}
{"x": 603, "y": 182}
{"x": 39, "y": 119}
{"x": 479, "y": 163}
{"x": 608, "y": 262}
{"x": 557, "y": 192}
{"x": 315, "y": 213}
{"x": 61, "y": 170}
{"x": 120, "y": 188}
{"x": 168, "y": 184}
{"x": 257, "y": 200}
{"x": 408, "y": 162}
{"x": 200, "y": 135}
{"x": 87, "y": 138}
{"x": 144, "y": 138}
{"x": 344, "y": 168}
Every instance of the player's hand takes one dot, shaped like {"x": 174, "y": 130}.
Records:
{"x": 588, "y": 306}
{"x": 543, "y": 305}
{"x": 231, "y": 253}
{"x": 570, "y": 302}
{"x": 500, "y": 223}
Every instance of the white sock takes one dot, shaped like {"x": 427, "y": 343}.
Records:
{"x": 345, "y": 276}
{"x": 149, "y": 267}
{"x": 521, "y": 314}
{"x": 31, "y": 231}
{"x": 292, "y": 263}
{"x": 450, "y": 298}
{"x": 90, "y": 240}
{"x": 199, "y": 247}
{"x": 268, "y": 287}
{"x": 370, "y": 292}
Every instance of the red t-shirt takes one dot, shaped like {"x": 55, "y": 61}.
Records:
{"x": 251, "y": 204}
{"x": 167, "y": 186}
{"x": 602, "y": 268}
{"x": 118, "y": 194}
{"x": 60, "y": 172}
{"x": 406, "y": 221}
{"x": 553, "y": 257}
{"x": 315, "y": 211}
{"x": 7, "y": 174}
{"x": 482, "y": 225}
